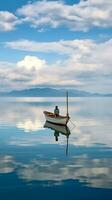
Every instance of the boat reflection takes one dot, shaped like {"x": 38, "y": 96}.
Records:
{"x": 58, "y": 129}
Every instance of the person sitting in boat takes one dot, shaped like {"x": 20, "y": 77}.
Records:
{"x": 56, "y": 111}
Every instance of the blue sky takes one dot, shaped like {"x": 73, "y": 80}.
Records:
{"x": 64, "y": 43}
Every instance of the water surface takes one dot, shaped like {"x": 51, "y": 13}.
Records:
{"x": 34, "y": 165}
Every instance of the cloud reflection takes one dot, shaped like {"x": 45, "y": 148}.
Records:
{"x": 94, "y": 172}
{"x": 91, "y": 172}
{"x": 30, "y": 126}
{"x": 7, "y": 164}
{"x": 92, "y": 126}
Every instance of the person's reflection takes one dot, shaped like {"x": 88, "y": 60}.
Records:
{"x": 56, "y": 134}
{"x": 63, "y": 130}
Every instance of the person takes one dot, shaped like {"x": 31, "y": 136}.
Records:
{"x": 56, "y": 111}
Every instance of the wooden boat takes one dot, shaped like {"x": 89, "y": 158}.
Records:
{"x": 61, "y": 120}
{"x": 51, "y": 117}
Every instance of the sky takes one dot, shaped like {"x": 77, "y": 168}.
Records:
{"x": 56, "y": 43}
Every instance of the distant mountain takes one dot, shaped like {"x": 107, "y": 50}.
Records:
{"x": 50, "y": 92}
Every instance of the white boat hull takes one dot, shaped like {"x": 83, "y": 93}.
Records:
{"x": 61, "y": 120}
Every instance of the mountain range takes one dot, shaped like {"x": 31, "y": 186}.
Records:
{"x": 51, "y": 92}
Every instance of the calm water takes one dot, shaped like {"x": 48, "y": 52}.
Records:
{"x": 33, "y": 165}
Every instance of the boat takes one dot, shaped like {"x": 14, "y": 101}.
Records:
{"x": 60, "y": 120}
{"x": 51, "y": 117}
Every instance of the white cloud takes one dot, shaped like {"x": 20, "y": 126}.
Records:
{"x": 81, "y": 16}
{"x": 83, "y": 54}
{"x": 43, "y": 14}
{"x": 61, "y": 47}
{"x": 87, "y": 64}
{"x": 31, "y": 63}
{"x": 8, "y": 21}
{"x": 30, "y": 72}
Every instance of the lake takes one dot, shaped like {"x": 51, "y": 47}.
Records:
{"x": 37, "y": 161}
